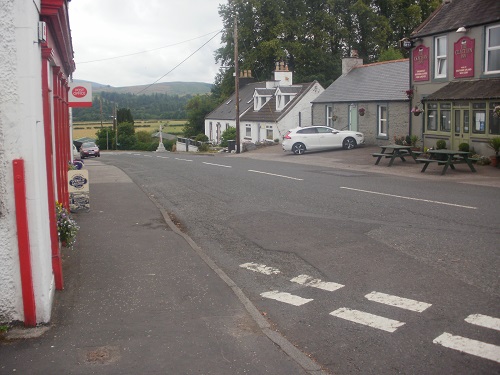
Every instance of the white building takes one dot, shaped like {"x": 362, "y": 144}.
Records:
{"x": 267, "y": 109}
{"x": 36, "y": 61}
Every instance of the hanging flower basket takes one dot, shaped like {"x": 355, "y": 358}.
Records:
{"x": 416, "y": 111}
{"x": 361, "y": 111}
{"x": 409, "y": 94}
{"x": 496, "y": 111}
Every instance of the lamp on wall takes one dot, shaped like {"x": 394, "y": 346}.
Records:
{"x": 461, "y": 29}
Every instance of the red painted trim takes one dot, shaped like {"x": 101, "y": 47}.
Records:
{"x": 81, "y": 104}
{"x": 23, "y": 240}
{"x": 47, "y": 55}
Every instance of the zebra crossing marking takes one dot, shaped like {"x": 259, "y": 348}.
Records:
{"x": 286, "y": 298}
{"x": 261, "y": 268}
{"x": 484, "y": 321}
{"x": 316, "y": 283}
{"x": 367, "y": 319}
{"x": 395, "y": 301}
{"x": 469, "y": 346}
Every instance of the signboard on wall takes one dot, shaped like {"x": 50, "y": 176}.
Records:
{"x": 80, "y": 94}
{"x": 79, "y": 195}
{"x": 463, "y": 57}
{"x": 420, "y": 59}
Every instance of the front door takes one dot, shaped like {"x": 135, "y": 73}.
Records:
{"x": 461, "y": 127}
{"x": 353, "y": 117}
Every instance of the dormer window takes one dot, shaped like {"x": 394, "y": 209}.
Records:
{"x": 260, "y": 101}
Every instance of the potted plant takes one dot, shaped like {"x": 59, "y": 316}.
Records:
{"x": 361, "y": 111}
{"x": 414, "y": 139}
{"x": 409, "y": 94}
{"x": 494, "y": 143}
{"x": 66, "y": 226}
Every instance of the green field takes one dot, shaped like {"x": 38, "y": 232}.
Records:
{"x": 88, "y": 129}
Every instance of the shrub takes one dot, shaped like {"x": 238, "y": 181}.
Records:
{"x": 227, "y": 135}
{"x": 203, "y": 147}
{"x": 201, "y": 138}
{"x": 463, "y": 147}
{"x": 441, "y": 144}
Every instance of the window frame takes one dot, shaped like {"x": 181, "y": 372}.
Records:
{"x": 440, "y": 58}
{"x": 381, "y": 121}
{"x": 329, "y": 115}
{"x": 488, "y": 49}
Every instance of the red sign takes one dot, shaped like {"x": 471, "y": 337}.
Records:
{"x": 420, "y": 59}
{"x": 79, "y": 92}
{"x": 463, "y": 57}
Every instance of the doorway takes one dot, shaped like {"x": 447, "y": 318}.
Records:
{"x": 461, "y": 127}
{"x": 353, "y": 117}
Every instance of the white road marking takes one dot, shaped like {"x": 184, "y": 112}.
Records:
{"x": 316, "y": 283}
{"x": 148, "y": 156}
{"x": 137, "y": 154}
{"x": 182, "y": 159}
{"x": 413, "y": 199}
{"x": 367, "y": 319}
{"x": 484, "y": 321}
{"x": 218, "y": 165}
{"x": 277, "y": 175}
{"x": 469, "y": 346}
{"x": 403, "y": 303}
{"x": 286, "y": 298}
{"x": 261, "y": 268}
{"x": 163, "y": 157}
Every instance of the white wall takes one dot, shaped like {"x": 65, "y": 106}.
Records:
{"x": 22, "y": 137}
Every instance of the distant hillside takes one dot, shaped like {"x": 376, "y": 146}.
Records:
{"x": 169, "y": 88}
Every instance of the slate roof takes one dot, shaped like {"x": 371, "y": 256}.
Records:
{"x": 268, "y": 112}
{"x": 227, "y": 110}
{"x": 384, "y": 81}
{"x": 468, "y": 90}
{"x": 452, "y": 14}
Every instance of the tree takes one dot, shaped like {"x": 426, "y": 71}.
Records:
{"x": 126, "y": 136}
{"x": 227, "y": 135}
{"x": 390, "y": 54}
{"x": 197, "y": 109}
{"x": 124, "y": 115}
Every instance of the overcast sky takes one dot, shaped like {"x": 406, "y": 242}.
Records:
{"x": 105, "y": 29}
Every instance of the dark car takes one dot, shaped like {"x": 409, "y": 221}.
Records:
{"x": 89, "y": 149}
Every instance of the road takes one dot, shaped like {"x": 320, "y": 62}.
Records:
{"x": 366, "y": 273}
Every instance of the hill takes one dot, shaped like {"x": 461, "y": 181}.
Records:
{"x": 169, "y": 88}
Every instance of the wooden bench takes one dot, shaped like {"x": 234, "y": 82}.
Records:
{"x": 379, "y": 155}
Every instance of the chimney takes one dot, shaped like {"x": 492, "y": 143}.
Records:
{"x": 282, "y": 75}
{"x": 246, "y": 77}
{"x": 348, "y": 63}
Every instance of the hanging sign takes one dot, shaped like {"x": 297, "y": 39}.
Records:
{"x": 80, "y": 94}
{"x": 420, "y": 59}
{"x": 463, "y": 57}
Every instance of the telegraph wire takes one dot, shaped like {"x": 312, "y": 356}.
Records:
{"x": 175, "y": 67}
{"x": 150, "y": 50}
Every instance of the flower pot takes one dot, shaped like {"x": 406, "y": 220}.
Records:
{"x": 494, "y": 161}
{"x": 416, "y": 113}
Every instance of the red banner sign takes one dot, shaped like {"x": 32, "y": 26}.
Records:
{"x": 420, "y": 57}
{"x": 463, "y": 57}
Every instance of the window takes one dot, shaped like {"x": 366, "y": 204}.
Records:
{"x": 492, "y": 58}
{"x": 440, "y": 57}
{"x": 269, "y": 132}
{"x": 248, "y": 130}
{"x": 445, "y": 117}
{"x": 307, "y": 131}
{"x": 382, "y": 121}
{"x": 494, "y": 121}
{"x": 324, "y": 130}
{"x": 329, "y": 116}
{"x": 432, "y": 115}
{"x": 479, "y": 118}
{"x": 227, "y": 125}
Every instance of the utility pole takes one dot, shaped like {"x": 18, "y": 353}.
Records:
{"x": 237, "y": 82}
{"x": 115, "y": 122}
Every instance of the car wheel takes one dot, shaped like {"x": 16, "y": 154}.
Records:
{"x": 299, "y": 148}
{"x": 349, "y": 143}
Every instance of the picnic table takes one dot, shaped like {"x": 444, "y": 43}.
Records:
{"x": 447, "y": 158}
{"x": 393, "y": 152}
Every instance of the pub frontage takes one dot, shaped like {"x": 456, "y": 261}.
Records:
{"x": 455, "y": 75}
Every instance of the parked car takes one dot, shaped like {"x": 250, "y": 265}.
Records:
{"x": 313, "y": 138}
{"x": 89, "y": 149}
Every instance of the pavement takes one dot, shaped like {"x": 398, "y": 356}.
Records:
{"x": 142, "y": 298}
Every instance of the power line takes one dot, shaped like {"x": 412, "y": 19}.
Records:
{"x": 150, "y": 50}
{"x": 175, "y": 67}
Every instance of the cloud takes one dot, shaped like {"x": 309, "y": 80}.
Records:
{"x": 104, "y": 30}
